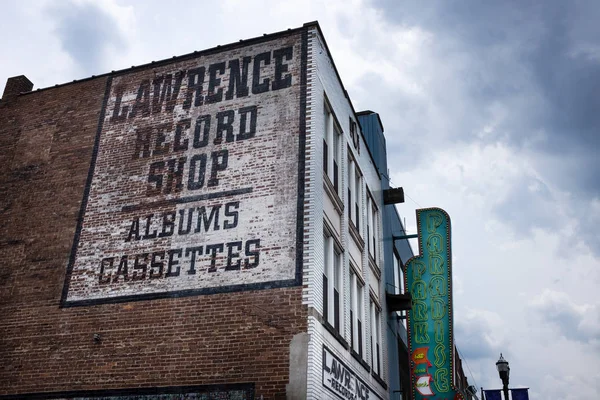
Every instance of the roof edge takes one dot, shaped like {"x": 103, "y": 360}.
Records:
{"x": 196, "y": 53}
{"x": 369, "y": 112}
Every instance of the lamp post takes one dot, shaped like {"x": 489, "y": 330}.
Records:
{"x": 504, "y": 371}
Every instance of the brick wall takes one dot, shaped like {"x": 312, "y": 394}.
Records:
{"x": 242, "y": 335}
{"x": 15, "y": 86}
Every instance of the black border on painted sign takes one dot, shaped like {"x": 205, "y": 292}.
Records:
{"x": 86, "y": 192}
{"x": 297, "y": 280}
{"x": 325, "y": 348}
{"x": 202, "y": 389}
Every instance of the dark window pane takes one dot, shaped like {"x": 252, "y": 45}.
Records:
{"x": 325, "y": 156}
{"x": 349, "y": 208}
{"x": 325, "y": 305}
{"x": 352, "y": 344}
{"x": 359, "y": 326}
{"x": 336, "y": 310}
{"x": 335, "y": 176}
{"x": 378, "y": 370}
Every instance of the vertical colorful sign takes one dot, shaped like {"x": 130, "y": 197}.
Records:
{"x": 429, "y": 279}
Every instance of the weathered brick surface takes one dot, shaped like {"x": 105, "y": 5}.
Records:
{"x": 15, "y": 86}
{"x": 156, "y": 157}
{"x": 46, "y": 147}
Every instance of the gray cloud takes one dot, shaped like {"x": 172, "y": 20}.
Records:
{"x": 569, "y": 386}
{"x": 475, "y": 337}
{"x": 575, "y": 322}
{"x": 535, "y": 63}
{"x": 589, "y": 215}
{"x": 542, "y": 55}
{"x": 86, "y": 32}
{"x": 529, "y": 204}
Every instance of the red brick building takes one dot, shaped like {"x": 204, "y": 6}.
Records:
{"x": 206, "y": 227}
{"x": 151, "y": 227}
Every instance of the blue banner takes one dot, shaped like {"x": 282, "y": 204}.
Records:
{"x": 494, "y": 394}
{"x": 519, "y": 394}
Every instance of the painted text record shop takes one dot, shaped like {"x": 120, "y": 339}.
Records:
{"x": 217, "y": 225}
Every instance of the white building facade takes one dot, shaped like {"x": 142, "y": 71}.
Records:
{"x": 343, "y": 257}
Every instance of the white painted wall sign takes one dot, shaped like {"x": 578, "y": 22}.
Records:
{"x": 194, "y": 184}
{"x": 342, "y": 381}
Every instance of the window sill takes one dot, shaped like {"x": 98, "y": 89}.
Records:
{"x": 338, "y": 204}
{"x": 379, "y": 380}
{"x": 356, "y": 236}
{"x": 375, "y": 267}
{"x": 336, "y": 334}
{"x": 362, "y": 362}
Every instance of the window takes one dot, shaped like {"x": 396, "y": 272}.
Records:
{"x": 354, "y": 193}
{"x": 399, "y": 281}
{"x": 357, "y": 199}
{"x": 372, "y": 228}
{"x": 332, "y": 149}
{"x": 337, "y": 277}
{"x": 356, "y": 314}
{"x": 332, "y": 283}
{"x": 354, "y": 135}
{"x": 351, "y": 190}
{"x": 375, "y": 338}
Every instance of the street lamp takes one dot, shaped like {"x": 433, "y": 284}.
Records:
{"x": 504, "y": 371}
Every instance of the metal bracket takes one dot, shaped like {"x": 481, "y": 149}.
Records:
{"x": 400, "y": 237}
{"x": 398, "y": 302}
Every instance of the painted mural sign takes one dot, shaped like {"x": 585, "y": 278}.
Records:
{"x": 429, "y": 279}
{"x": 194, "y": 185}
{"x": 342, "y": 381}
{"x": 237, "y": 391}
{"x": 216, "y": 395}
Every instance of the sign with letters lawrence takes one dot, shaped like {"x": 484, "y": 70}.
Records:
{"x": 342, "y": 381}
{"x": 195, "y": 182}
{"x": 429, "y": 280}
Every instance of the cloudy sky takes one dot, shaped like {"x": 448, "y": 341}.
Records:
{"x": 491, "y": 111}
